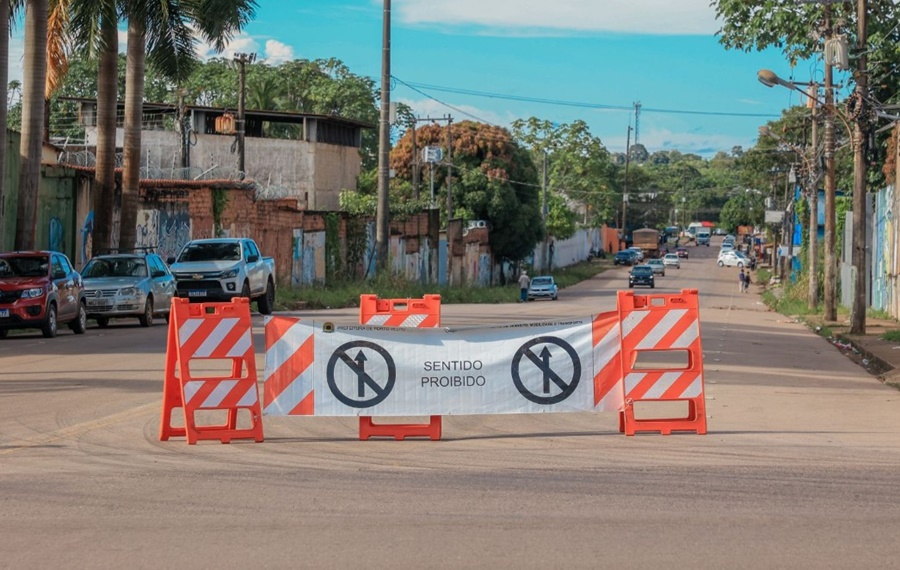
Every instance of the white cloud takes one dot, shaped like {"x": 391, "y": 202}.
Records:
{"x": 704, "y": 144}
{"x": 530, "y": 17}
{"x": 242, "y": 43}
{"x": 278, "y": 52}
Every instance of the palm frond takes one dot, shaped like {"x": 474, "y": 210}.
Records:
{"x": 218, "y": 21}
{"x": 58, "y": 46}
{"x": 170, "y": 39}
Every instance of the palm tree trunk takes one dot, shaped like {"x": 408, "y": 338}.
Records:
{"x": 104, "y": 191}
{"x": 134, "y": 103}
{"x": 35, "y": 72}
{"x": 4, "y": 79}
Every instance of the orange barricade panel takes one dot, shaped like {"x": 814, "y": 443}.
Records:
{"x": 421, "y": 313}
{"x": 662, "y": 359}
{"x": 199, "y": 334}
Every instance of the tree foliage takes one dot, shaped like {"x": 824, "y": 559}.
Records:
{"x": 494, "y": 179}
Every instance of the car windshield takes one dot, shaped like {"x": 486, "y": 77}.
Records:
{"x": 655, "y": 261}
{"x": 642, "y": 270}
{"x": 115, "y": 267}
{"x": 211, "y": 251}
{"x": 24, "y": 266}
{"x": 671, "y": 256}
{"x": 541, "y": 281}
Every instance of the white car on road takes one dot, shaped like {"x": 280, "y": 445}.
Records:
{"x": 672, "y": 260}
{"x": 733, "y": 259}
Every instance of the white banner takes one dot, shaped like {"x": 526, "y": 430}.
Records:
{"x": 385, "y": 371}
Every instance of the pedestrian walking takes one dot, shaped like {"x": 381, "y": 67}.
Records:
{"x": 747, "y": 282}
{"x": 741, "y": 282}
{"x": 524, "y": 282}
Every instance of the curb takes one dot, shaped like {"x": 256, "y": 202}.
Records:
{"x": 883, "y": 367}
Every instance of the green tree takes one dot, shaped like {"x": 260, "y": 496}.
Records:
{"x": 742, "y": 209}
{"x": 494, "y": 180}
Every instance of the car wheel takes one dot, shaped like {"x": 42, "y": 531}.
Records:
{"x": 79, "y": 325}
{"x": 721, "y": 264}
{"x": 102, "y": 322}
{"x": 49, "y": 328}
{"x": 653, "y": 286}
{"x": 741, "y": 265}
{"x": 631, "y": 286}
{"x": 266, "y": 303}
{"x": 4, "y": 333}
{"x": 245, "y": 290}
{"x": 168, "y": 316}
{"x": 147, "y": 318}
{"x": 555, "y": 298}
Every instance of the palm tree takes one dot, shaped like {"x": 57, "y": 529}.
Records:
{"x": 4, "y": 104}
{"x": 94, "y": 28}
{"x": 159, "y": 31}
{"x": 35, "y": 71}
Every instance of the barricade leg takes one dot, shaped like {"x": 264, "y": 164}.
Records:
{"x": 172, "y": 392}
{"x": 368, "y": 428}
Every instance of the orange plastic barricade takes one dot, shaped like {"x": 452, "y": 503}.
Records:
{"x": 421, "y": 313}
{"x": 210, "y": 331}
{"x": 662, "y": 359}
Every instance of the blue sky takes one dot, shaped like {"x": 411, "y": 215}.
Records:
{"x": 663, "y": 53}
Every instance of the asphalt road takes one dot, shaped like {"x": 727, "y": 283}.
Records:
{"x": 800, "y": 469}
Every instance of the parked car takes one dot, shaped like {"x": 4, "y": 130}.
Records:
{"x": 641, "y": 275}
{"x": 727, "y": 246}
{"x": 128, "y": 285}
{"x": 658, "y": 266}
{"x": 672, "y": 260}
{"x": 624, "y": 257}
{"x": 732, "y": 259}
{"x": 682, "y": 252}
{"x": 40, "y": 289}
{"x": 220, "y": 269}
{"x": 543, "y": 287}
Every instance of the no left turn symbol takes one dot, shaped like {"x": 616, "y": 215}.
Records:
{"x": 540, "y": 370}
{"x": 369, "y": 382}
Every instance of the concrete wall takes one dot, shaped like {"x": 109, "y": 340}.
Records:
{"x": 312, "y": 172}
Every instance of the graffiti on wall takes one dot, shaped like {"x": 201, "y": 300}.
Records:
{"x": 166, "y": 229}
{"x": 56, "y": 239}
{"x": 87, "y": 238}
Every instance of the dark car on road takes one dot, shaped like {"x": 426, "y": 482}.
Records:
{"x": 40, "y": 290}
{"x": 641, "y": 275}
{"x": 682, "y": 252}
{"x": 625, "y": 257}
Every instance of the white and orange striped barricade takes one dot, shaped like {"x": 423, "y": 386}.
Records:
{"x": 607, "y": 356}
{"x": 662, "y": 359}
{"x": 207, "y": 332}
{"x": 419, "y": 313}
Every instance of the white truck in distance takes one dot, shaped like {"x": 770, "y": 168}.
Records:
{"x": 220, "y": 269}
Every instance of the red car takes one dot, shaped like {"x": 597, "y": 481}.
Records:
{"x": 682, "y": 252}
{"x": 40, "y": 289}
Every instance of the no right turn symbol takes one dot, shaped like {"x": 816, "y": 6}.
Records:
{"x": 546, "y": 370}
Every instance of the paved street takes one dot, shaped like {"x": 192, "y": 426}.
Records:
{"x": 799, "y": 469}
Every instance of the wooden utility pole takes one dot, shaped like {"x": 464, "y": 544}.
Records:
{"x": 414, "y": 163}
{"x": 545, "y": 211}
{"x": 625, "y": 187}
{"x": 449, "y": 168}
{"x": 242, "y": 59}
{"x": 812, "y": 249}
{"x": 830, "y": 185}
{"x": 382, "y": 233}
{"x": 860, "y": 131}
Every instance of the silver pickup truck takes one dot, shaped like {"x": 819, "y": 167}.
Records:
{"x": 220, "y": 269}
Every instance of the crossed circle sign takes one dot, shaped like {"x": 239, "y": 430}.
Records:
{"x": 365, "y": 382}
{"x": 542, "y": 361}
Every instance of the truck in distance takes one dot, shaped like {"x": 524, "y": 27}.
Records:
{"x": 648, "y": 240}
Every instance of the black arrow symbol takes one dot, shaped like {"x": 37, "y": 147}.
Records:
{"x": 361, "y": 373}
{"x": 545, "y": 358}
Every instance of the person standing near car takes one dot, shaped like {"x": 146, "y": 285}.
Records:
{"x": 524, "y": 283}
{"x": 741, "y": 282}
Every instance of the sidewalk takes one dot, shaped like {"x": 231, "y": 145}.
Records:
{"x": 879, "y": 357}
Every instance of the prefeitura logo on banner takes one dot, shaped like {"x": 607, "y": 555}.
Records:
{"x": 520, "y": 368}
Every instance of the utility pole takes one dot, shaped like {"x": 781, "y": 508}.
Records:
{"x": 414, "y": 163}
{"x": 860, "y": 132}
{"x": 449, "y": 169}
{"x": 812, "y": 249}
{"x": 625, "y": 187}
{"x": 382, "y": 234}
{"x": 830, "y": 185}
{"x": 545, "y": 210}
{"x": 242, "y": 59}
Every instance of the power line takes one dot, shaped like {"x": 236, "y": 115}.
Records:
{"x": 418, "y": 87}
